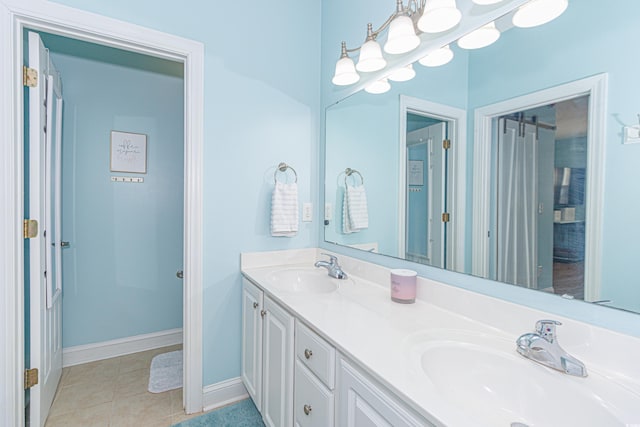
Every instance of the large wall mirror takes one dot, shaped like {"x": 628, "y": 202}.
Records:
{"x": 519, "y": 162}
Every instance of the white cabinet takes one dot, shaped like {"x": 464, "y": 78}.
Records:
{"x": 267, "y": 356}
{"x": 361, "y": 402}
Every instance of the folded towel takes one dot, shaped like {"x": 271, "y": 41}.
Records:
{"x": 355, "y": 215}
{"x": 284, "y": 210}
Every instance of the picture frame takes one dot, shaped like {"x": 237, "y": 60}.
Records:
{"x": 128, "y": 152}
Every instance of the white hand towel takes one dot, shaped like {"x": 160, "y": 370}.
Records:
{"x": 355, "y": 216}
{"x": 284, "y": 210}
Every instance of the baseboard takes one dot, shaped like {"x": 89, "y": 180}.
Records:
{"x": 114, "y": 348}
{"x": 223, "y": 393}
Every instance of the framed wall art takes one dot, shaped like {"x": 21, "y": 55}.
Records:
{"x": 128, "y": 152}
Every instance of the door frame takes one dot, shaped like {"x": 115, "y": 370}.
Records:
{"x": 457, "y": 119}
{"x": 596, "y": 88}
{"x": 15, "y": 15}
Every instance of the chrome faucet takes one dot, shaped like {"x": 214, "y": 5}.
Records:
{"x": 542, "y": 346}
{"x": 332, "y": 267}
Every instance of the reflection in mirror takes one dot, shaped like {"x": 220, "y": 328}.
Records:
{"x": 534, "y": 176}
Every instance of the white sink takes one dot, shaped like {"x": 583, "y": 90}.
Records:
{"x": 486, "y": 378}
{"x": 303, "y": 280}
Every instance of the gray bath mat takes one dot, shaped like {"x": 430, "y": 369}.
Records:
{"x": 166, "y": 372}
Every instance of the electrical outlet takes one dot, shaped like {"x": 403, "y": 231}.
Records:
{"x": 307, "y": 212}
{"x": 328, "y": 209}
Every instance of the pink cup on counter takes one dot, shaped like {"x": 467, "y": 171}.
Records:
{"x": 403, "y": 286}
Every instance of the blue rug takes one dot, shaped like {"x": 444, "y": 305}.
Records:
{"x": 241, "y": 414}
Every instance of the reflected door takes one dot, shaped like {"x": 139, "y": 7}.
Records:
{"x": 426, "y": 200}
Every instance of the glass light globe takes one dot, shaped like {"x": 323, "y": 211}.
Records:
{"x": 437, "y": 57}
{"x": 439, "y": 15}
{"x": 485, "y": 2}
{"x": 379, "y": 86}
{"x": 482, "y": 37}
{"x": 401, "y": 37}
{"x": 370, "y": 58}
{"x": 403, "y": 74}
{"x": 538, "y": 12}
{"x": 345, "y": 72}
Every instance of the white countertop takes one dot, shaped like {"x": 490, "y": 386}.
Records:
{"x": 363, "y": 323}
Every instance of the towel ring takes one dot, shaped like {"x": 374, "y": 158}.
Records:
{"x": 348, "y": 172}
{"x": 282, "y": 167}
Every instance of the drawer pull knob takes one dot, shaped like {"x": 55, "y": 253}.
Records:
{"x": 263, "y": 313}
{"x": 307, "y": 409}
{"x": 255, "y": 305}
{"x": 308, "y": 353}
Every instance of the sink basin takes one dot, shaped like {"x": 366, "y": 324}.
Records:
{"x": 303, "y": 280}
{"x": 484, "y": 377}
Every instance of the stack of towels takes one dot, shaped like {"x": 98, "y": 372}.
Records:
{"x": 355, "y": 216}
{"x": 284, "y": 210}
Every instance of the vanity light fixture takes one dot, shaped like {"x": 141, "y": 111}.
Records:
{"x": 437, "y": 57}
{"x": 370, "y": 58}
{"x": 402, "y": 36}
{"x": 345, "y": 73}
{"x": 378, "y": 87}
{"x": 439, "y": 16}
{"x": 538, "y": 12}
{"x": 403, "y": 74}
{"x": 482, "y": 37}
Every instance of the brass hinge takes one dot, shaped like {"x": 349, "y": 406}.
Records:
{"x": 30, "y": 228}
{"x": 446, "y": 144}
{"x": 445, "y": 217}
{"x": 29, "y": 76}
{"x": 30, "y": 378}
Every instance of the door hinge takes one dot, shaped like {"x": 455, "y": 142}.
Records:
{"x": 29, "y": 76}
{"x": 30, "y": 378}
{"x": 446, "y": 144}
{"x": 30, "y": 228}
{"x": 445, "y": 217}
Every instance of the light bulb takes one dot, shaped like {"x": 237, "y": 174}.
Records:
{"x": 482, "y": 37}
{"x": 439, "y": 15}
{"x": 401, "y": 37}
{"x": 378, "y": 87}
{"x": 437, "y": 57}
{"x": 403, "y": 74}
{"x": 538, "y": 12}
{"x": 345, "y": 73}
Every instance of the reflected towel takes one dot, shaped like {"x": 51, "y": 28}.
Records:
{"x": 355, "y": 215}
{"x": 284, "y": 210}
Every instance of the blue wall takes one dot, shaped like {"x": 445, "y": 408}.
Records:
{"x": 126, "y": 239}
{"x": 261, "y": 107}
{"x": 488, "y": 79}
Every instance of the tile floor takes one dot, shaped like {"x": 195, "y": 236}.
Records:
{"x": 113, "y": 393}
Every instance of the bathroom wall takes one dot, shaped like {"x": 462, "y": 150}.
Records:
{"x": 126, "y": 239}
{"x": 348, "y": 22}
{"x": 262, "y": 97}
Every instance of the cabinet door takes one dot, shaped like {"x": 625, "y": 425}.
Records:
{"x": 252, "y": 305}
{"x": 277, "y": 407}
{"x": 313, "y": 402}
{"x": 360, "y": 402}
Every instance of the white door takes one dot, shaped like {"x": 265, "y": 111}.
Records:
{"x": 44, "y": 251}
{"x": 277, "y": 371}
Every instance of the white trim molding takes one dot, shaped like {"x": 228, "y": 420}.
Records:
{"x": 15, "y": 15}
{"x": 224, "y": 393}
{"x": 119, "y": 347}
{"x": 596, "y": 88}
{"x": 457, "y": 174}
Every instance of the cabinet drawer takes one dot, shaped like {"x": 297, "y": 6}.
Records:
{"x": 317, "y": 354}
{"x": 313, "y": 402}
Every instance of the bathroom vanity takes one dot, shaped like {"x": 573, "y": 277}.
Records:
{"x": 319, "y": 351}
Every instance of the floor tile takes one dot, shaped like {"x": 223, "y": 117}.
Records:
{"x": 132, "y": 383}
{"x": 96, "y": 416}
{"x": 140, "y": 409}
{"x": 79, "y": 396}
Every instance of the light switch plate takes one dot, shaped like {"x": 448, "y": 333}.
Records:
{"x": 307, "y": 212}
{"x": 328, "y": 209}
